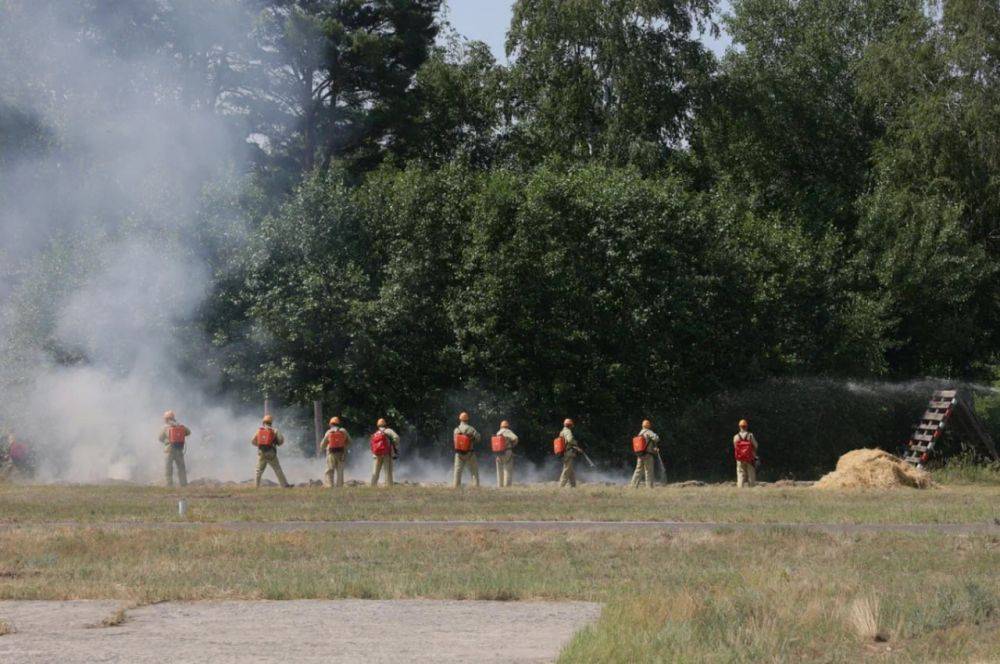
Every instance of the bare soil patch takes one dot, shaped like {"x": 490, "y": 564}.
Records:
{"x": 295, "y": 631}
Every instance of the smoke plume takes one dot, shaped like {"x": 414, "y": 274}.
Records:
{"x": 105, "y": 158}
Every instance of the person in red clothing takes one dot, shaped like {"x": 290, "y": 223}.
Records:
{"x": 336, "y": 441}
{"x": 267, "y": 440}
{"x": 745, "y": 450}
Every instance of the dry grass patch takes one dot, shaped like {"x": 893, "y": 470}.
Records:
{"x": 864, "y": 617}
{"x": 723, "y": 504}
{"x": 7, "y": 627}
{"x": 766, "y": 595}
{"x": 770, "y": 594}
{"x": 115, "y": 619}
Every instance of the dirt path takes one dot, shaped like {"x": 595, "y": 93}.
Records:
{"x": 293, "y": 631}
{"x": 669, "y": 526}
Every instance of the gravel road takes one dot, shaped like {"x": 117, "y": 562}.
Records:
{"x": 293, "y": 631}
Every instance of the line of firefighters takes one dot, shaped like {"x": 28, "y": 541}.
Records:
{"x": 384, "y": 445}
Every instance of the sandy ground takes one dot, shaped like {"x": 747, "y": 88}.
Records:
{"x": 992, "y": 528}
{"x": 293, "y": 631}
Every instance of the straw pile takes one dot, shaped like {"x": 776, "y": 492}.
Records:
{"x": 873, "y": 469}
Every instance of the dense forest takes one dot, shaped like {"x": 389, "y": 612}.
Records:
{"x": 369, "y": 210}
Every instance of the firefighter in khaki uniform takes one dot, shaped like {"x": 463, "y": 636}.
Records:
{"x": 385, "y": 448}
{"x": 267, "y": 440}
{"x": 568, "y": 475}
{"x": 465, "y": 439}
{"x": 173, "y": 436}
{"x": 745, "y": 450}
{"x": 645, "y": 445}
{"x": 336, "y": 441}
{"x": 503, "y": 444}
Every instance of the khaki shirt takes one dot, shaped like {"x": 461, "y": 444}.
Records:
{"x": 512, "y": 439}
{"x": 567, "y": 435}
{"x": 652, "y": 439}
{"x": 464, "y": 428}
{"x": 333, "y": 429}
{"x": 279, "y": 439}
{"x": 393, "y": 436}
{"x": 164, "y": 436}
{"x": 749, "y": 436}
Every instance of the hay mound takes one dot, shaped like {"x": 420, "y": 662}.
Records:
{"x": 873, "y": 469}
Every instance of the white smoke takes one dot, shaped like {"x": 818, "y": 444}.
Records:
{"x": 919, "y": 386}
{"x": 103, "y": 264}
{"x": 103, "y": 267}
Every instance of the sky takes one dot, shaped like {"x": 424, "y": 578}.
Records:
{"x": 487, "y": 20}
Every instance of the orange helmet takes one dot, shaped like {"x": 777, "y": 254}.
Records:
{"x": 381, "y": 422}
{"x": 334, "y": 421}
{"x": 463, "y": 417}
{"x": 169, "y": 415}
{"x": 646, "y": 424}
{"x": 744, "y": 424}
{"x": 267, "y": 419}
{"x": 567, "y": 422}
{"x": 504, "y": 424}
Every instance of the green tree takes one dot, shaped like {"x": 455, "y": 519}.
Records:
{"x": 783, "y": 123}
{"x": 931, "y": 235}
{"x": 609, "y": 79}
{"x": 331, "y": 78}
{"x": 460, "y": 93}
{"x": 286, "y": 326}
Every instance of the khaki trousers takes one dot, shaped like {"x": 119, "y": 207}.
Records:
{"x": 644, "y": 467}
{"x": 380, "y": 463}
{"x": 174, "y": 457}
{"x": 267, "y": 458}
{"x": 335, "y": 467}
{"x": 505, "y": 469}
{"x": 568, "y": 475}
{"x": 746, "y": 473}
{"x": 463, "y": 460}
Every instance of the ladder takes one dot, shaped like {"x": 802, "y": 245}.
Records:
{"x": 947, "y": 408}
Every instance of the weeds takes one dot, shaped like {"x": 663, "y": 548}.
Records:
{"x": 967, "y": 469}
{"x": 864, "y": 617}
{"x": 7, "y": 627}
{"x": 721, "y": 504}
{"x": 770, "y": 594}
{"x": 116, "y": 619}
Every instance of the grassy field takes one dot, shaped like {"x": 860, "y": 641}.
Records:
{"x": 723, "y": 504}
{"x": 771, "y": 594}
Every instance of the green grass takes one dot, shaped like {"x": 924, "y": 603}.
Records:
{"x": 724, "y": 504}
{"x": 962, "y": 470}
{"x": 766, "y": 595}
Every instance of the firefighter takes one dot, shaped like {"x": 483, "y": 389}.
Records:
{"x": 173, "y": 435}
{"x": 267, "y": 440}
{"x": 16, "y": 458}
{"x": 336, "y": 441}
{"x": 568, "y": 475}
{"x": 645, "y": 445}
{"x": 385, "y": 449}
{"x": 7, "y": 442}
{"x": 745, "y": 450}
{"x": 503, "y": 444}
{"x": 465, "y": 439}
